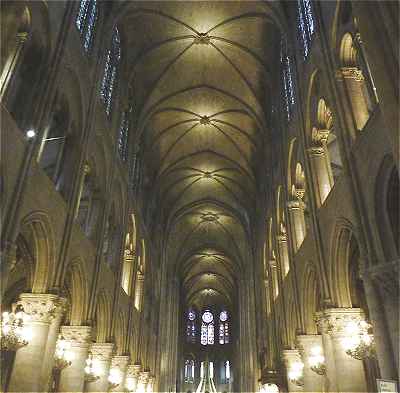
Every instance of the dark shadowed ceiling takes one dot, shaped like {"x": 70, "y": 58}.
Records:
{"x": 202, "y": 74}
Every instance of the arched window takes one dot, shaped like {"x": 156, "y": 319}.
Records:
{"x": 225, "y": 372}
{"x": 306, "y": 25}
{"x": 110, "y": 71}
{"x": 86, "y": 22}
{"x": 287, "y": 80}
{"x": 207, "y": 328}
{"x": 123, "y": 135}
{"x": 191, "y": 326}
{"x": 223, "y": 327}
{"x": 189, "y": 370}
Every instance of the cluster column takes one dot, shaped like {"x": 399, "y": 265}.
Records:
{"x": 120, "y": 363}
{"x": 102, "y": 353}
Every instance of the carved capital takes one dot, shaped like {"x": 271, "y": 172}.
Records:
{"x": 42, "y": 307}
{"x": 320, "y": 137}
{"x": 22, "y": 37}
{"x": 77, "y": 335}
{"x": 296, "y": 205}
{"x": 282, "y": 237}
{"x": 144, "y": 376}
{"x": 352, "y": 73}
{"x": 315, "y": 151}
{"x": 333, "y": 321}
{"x": 102, "y": 351}
{"x": 385, "y": 276}
{"x": 86, "y": 169}
{"x": 133, "y": 370}
{"x": 120, "y": 361}
{"x": 272, "y": 264}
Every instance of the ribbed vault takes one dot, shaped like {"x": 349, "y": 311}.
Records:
{"x": 201, "y": 76}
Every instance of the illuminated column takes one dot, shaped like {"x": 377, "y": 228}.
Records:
{"x": 150, "y": 384}
{"x": 321, "y": 172}
{"x": 283, "y": 253}
{"x": 294, "y": 372}
{"x": 102, "y": 353}
{"x": 26, "y": 375}
{"x": 143, "y": 380}
{"x": 120, "y": 364}
{"x": 72, "y": 378}
{"x": 309, "y": 345}
{"x": 132, "y": 377}
{"x": 298, "y": 224}
{"x": 344, "y": 373}
{"x": 354, "y": 81}
{"x": 139, "y": 291}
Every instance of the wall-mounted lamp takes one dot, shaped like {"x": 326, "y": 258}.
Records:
{"x": 14, "y": 333}
{"x": 317, "y": 361}
{"x": 63, "y": 356}
{"x": 358, "y": 341}
{"x": 92, "y": 369}
{"x": 114, "y": 378}
{"x": 295, "y": 373}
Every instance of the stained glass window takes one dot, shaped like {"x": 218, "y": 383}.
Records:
{"x": 110, "y": 71}
{"x": 207, "y": 328}
{"x": 223, "y": 327}
{"x": 306, "y": 25}
{"x": 86, "y": 21}
{"x": 191, "y": 326}
{"x": 189, "y": 371}
{"x": 287, "y": 80}
{"x": 124, "y": 135}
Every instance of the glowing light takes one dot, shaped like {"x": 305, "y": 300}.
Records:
{"x": 30, "y": 133}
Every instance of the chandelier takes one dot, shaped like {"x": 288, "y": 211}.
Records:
{"x": 114, "y": 378}
{"x": 317, "y": 361}
{"x": 14, "y": 333}
{"x": 295, "y": 373}
{"x": 63, "y": 355}
{"x": 92, "y": 369}
{"x": 358, "y": 341}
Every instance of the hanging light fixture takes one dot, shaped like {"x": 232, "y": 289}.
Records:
{"x": 92, "y": 369}
{"x": 359, "y": 340}
{"x": 63, "y": 355}
{"x": 295, "y": 373}
{"x": 114, "y": 378}
{"x": 14, "y": 333}
{"x": 317, "y": 361}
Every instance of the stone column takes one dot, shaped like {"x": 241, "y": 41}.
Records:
{"x": 298, "y": 225}
{"x": 344, "y": 373}
{"x": 102, "y": 353}
{"x": 354, "y": 81}
{"x": 86, "y": 171}
{"x": 139, "y": 291}
{"x": 132, "y": 377}
{"x": 312, "y": 381}
{"x": 121, "y": 363}
{"x": 274, "y": 275}
{"x": 26, "y": 375}
{"x": 283, "y": 254}
{"x": 291, "y": 356}
{"x": 72, "y": 378}
{"x": 143, "y": 380}
{"x": 321, "y": 173}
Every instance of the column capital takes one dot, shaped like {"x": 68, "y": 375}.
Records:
{"x": 333, "y": 321}
{"x": 22, "y": 37}
{"x": 120, "y": 361}
{"x": 315, "y": 151}
{"x": 77, "y": 335}
{"x": 273, "y": 264}
{"x": 296, "y": 204}
{"x": 352, "y": 73}
{"x": 144, "y": 376}
{"x": 102, "y": 351}
{"x": 290, "y": 356}
{"x": 282, "y": 237}
{"x": 42, "y": 307}
{"x": 320, "y": 136}
{"x": 86, "y": 168}
{"x": 385, "y": 276}
{"x": 133, "y": 369}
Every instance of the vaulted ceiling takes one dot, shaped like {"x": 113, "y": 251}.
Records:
{"x": 202, "y": 77}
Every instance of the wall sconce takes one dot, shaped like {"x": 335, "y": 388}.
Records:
{"x": 358, "y": 341}
{"x": 269, "y": 388}
{"x": 317, "y": 361}
{"x": 92, "y": 369}
{"x": 63, "y": 356}
{"x": 114, "y": 378}
{"x": 295, "y": 373}
{"x": 14, "y": 333}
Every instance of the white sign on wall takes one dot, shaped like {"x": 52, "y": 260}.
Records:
{"x": 387, "y": 385}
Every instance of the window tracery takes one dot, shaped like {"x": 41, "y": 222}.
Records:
{"x": 191, "y": 326}
{"x": 207, "y": 328}
{"x": 305, "y": 25}
{"x": 110, "y": 72}
{"x": 124, "y": 135}
{"x": 287, "y": 80}
{"x": 223, "y": 327}
{"x": 86, "y": 22}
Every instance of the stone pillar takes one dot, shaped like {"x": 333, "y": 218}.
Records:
{"x": 274, "y": 275}
{"x": 344, "y": 373}
{"x": 298, "y": 225}
{"x": 29, "y": 361}
{"x": 290, "y": 357}
{"x": 283, "y": 254}
{"x": 143, "y": 380}
{"x": 321, "y": 173}
{"x": 132, "y": 377}
{"x": 52, "y": 337}
{"x": 312, "y": 381}
{"x": 139, "y": 291}
{"x": 121, "y": 363}
{"x": 354, "y": 81}
{"x": 72, "y": 378}
{"x": 102, "y": 353}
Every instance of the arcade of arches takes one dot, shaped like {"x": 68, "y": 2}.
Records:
{"x": 199, "y": 185}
